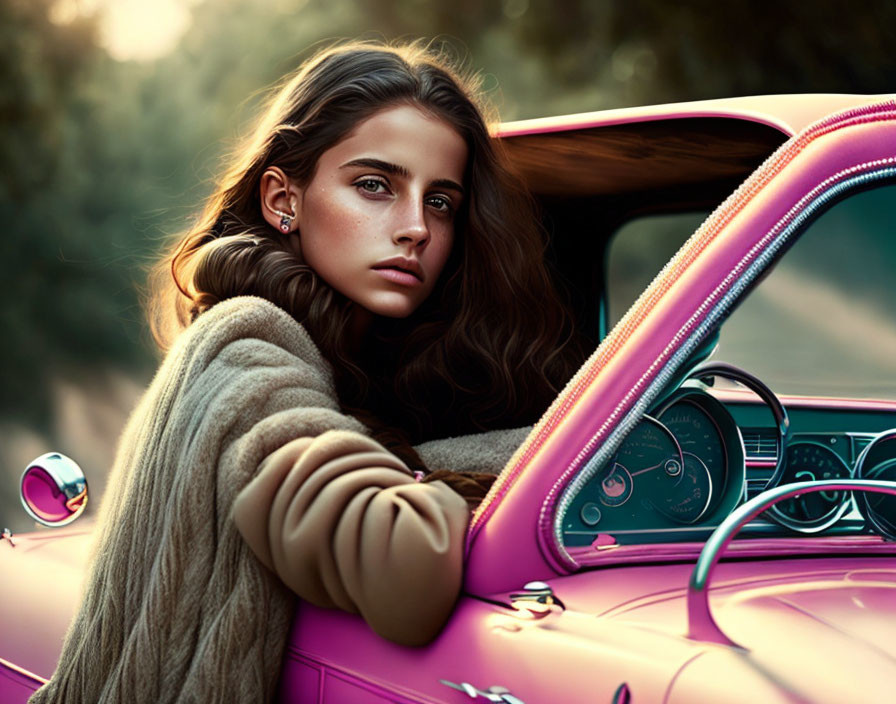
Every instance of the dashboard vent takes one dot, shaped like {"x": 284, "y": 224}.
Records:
{"x": 760, "y": 443}
{"x": 755, "y": 487}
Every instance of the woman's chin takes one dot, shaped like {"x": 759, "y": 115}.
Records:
{"x": 402, "y": 308}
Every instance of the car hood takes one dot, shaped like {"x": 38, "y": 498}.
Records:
{"x": 817, "y": 629}
{"x": 43, "y": 574}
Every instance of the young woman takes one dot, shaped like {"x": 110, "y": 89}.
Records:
{"x": 367, "y": 277}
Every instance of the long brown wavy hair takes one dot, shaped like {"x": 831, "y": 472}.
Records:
{"x": 488, "y": 349}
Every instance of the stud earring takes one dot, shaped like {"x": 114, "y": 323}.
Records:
{"x": 285, "y": 220}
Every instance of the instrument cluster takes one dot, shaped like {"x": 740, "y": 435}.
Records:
{"x": 683, "y": 469}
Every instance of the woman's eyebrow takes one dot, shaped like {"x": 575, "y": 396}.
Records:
{"x": 399, "y": 170}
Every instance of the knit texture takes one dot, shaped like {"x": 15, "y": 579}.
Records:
{"x": 177, "y": 608}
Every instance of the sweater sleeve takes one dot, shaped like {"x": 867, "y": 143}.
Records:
{"x": 343, "y": 523}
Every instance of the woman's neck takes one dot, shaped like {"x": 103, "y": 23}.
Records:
{"x": 358, "y": 324}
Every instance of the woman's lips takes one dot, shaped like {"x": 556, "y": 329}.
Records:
{"x": 398, "y": 276}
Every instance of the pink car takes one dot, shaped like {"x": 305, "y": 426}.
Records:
{"x": 672, "y": 530}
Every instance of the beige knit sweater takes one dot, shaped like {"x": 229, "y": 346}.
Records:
{"x": 234, "y": 436}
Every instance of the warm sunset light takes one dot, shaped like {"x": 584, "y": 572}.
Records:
{"x": 139, "y": 30}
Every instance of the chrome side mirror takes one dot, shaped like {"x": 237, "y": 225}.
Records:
{"x": 53, "y": 490}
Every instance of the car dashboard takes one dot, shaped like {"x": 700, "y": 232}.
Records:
{"x": 704, "y": 451}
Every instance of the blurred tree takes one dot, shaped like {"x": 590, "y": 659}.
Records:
{"x": 44, "y": 72}
{"x": 578, "y": 55}
{"x": 703, "y": 49}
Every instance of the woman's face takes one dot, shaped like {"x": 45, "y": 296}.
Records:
{"x": 376, "y": 221}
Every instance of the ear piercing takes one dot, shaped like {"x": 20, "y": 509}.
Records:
{"x": 285, "y": 220}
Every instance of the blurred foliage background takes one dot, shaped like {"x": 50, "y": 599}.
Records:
{"x": 115, "y": 113}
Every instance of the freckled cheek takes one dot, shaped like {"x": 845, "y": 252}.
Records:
{"x": 336, "y": 221}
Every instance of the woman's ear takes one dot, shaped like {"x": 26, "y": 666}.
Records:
{"x": 280, "y": 200}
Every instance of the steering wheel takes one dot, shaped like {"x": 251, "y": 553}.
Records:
{"x": 729, "y": 371}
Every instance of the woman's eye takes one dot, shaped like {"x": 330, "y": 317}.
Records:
{"x": 371, "y": 185}
{"x": 443, "y": 205}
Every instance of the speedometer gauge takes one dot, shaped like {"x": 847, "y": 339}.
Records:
{"x": 878, "y": 461}
{"x": 639, "y": 489}
{"x": 703, "y": 448}
{"x": 806, "y": 462}
{"x": 686, "y": 499}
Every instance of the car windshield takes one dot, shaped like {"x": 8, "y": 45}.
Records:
{"x": 820, "y": 324}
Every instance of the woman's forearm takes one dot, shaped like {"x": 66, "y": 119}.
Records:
{"x": 343, "y": 523}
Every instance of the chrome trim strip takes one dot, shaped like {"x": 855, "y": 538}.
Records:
{"x": 23, "y": 672}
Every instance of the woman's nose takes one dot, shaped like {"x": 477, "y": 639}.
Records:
{"x": 412, "y": 228}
